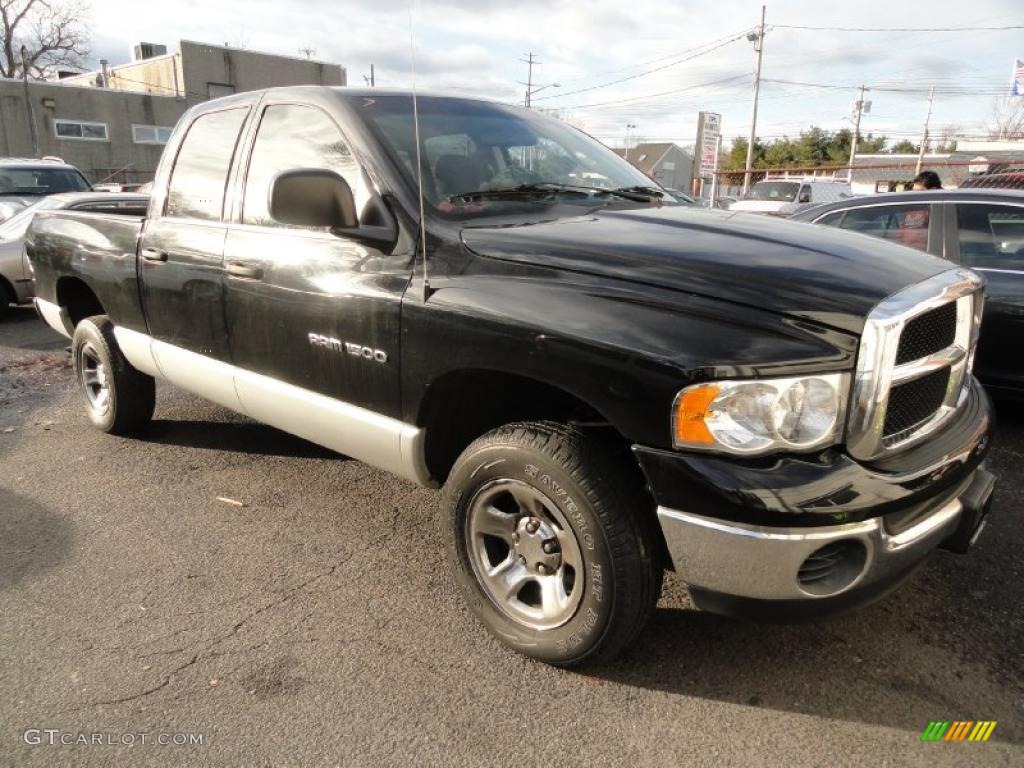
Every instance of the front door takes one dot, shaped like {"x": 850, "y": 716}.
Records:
{"x": 309, "y": 308}
{"x": 180, "y": 259}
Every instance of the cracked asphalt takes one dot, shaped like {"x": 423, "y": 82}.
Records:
{"x": 315, "y": 623}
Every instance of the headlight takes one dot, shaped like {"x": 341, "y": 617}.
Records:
{"x": 761, "y": 415}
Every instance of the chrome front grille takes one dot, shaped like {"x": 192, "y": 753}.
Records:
{"x": 914, "y": 361}
{"x": 927, "y": 334}
{"x": 913, "y": 403}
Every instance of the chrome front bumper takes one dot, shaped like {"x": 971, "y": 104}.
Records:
{"x": 771, "y": 563}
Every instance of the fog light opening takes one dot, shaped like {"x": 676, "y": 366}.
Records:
{"x": 832, "y": 568}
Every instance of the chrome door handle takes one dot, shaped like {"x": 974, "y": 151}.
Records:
{"x": 244, "y": 270}
{"x": 154, "y": 254}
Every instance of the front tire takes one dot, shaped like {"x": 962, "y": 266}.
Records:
{"x": 552, "y": 542}
{"x": 119, "y": 399}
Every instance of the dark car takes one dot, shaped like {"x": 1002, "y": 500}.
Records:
{"x": 979, "y": 228}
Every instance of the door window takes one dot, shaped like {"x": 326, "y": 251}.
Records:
{"x": 832, "y": 219}
{"x": 201, "y": 169}
{"x": 293, "y": 136}
{"x": 991, "y": 236}
{"x": 904, "y": 224}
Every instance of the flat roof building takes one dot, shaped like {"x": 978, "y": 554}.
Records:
{"x": 113, "y": 123}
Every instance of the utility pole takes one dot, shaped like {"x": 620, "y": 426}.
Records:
{"x": 757, "y": 38}
{"x": 924, "y": 139}
{"x": 529, "y": 61}
{"x": 30, "y": 110}
{"x": 370, "y": 81}
{"x": 626, "y": 153}
{"x": 714, "y": 173}
{"x": 856, "y": 131}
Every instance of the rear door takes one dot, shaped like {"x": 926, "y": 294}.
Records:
{"x": 183, "y": 246}
{"x": 315, "y": 309}
{"x": 181, "y": 254}
{"x": 990, "y": 239}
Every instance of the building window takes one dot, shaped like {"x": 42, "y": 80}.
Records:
{"x": 216, "y": 90}
{"x": 78, "y": 129}
{"x": 150, "y": 134}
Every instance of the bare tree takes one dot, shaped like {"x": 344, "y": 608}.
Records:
{"x": 1007, "y": 119}
{"x": 948, "y": 136}
{"x": 53, "y": 33}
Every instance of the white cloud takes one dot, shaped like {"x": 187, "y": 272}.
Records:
{"x": 474, "y": 46}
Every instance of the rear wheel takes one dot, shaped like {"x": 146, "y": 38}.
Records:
{"x": 550, "y": 541}
{"x": 119, "y": 399}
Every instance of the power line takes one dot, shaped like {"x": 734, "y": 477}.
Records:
{"x": 647, "y": 72}
{"x": 969, "y": 90}
{"x": 898, "y": 29}
{"x": 645, "y": 97}
{"x": 648, "y": 62}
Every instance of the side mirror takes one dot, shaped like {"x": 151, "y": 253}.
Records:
{"x": 805, "y": 198}
{"x": 313, "y": 197}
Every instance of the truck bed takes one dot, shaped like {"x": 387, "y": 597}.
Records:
{"x": 97, "y": 249}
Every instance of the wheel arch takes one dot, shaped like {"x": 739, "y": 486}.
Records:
{"x": 461, "y": 405}
{"x": 7, "y": 291}
{"x": 79, "y": 300}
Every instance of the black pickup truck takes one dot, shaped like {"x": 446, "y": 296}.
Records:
{"x": 606, "y": 384}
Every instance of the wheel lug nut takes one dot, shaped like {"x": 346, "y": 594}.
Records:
{"x": 515, "y": 538}
{"x": 549, "y": 546}
{"x": 541, "y": 568}
{"x": 532, "y": 526}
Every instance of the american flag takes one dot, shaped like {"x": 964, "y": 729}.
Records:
{"x": 1017, "y": 89}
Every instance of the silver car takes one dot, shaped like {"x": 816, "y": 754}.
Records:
{"x": 15, "y": 273}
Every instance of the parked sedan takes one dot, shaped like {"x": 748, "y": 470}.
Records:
{"x": 15, "y": 273}
{"x": 979, "y": 228}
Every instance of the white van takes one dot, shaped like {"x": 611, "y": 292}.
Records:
{"x": 782, "y": 197}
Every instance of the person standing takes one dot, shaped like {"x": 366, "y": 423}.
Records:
{"x": 927, "y": 180}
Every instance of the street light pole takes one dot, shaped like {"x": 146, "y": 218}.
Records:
{"x": 530, "y": 92}
{"x": 758, "y": 40}
{"x": 529, "y": 60}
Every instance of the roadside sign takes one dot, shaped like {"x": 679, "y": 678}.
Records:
{"x": 709, "y": 128}
{"x": 978, "y": 165}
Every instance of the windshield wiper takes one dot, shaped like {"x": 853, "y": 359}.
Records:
{"x": 637, "y": 194}
{"x": 647, "y": 192}
{"x": 522, "y": 190}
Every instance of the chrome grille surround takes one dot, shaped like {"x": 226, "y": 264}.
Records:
{"x": 877, "y": 372}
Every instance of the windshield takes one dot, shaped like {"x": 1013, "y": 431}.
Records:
{"x": 39, "y": 182}
{"x": 16, "y": 226}
{"x": 776, "y": 191}
{"x": 472, "y": 146}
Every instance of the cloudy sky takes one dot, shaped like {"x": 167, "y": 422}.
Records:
{"x": 652, "y": 64}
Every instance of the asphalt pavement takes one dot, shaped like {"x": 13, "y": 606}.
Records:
{"x": 220, "y": 580}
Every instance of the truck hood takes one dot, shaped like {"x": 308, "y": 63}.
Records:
{"x": 815, "y": 273}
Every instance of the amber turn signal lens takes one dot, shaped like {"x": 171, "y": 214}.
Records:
{"x": 691, "y": 409}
